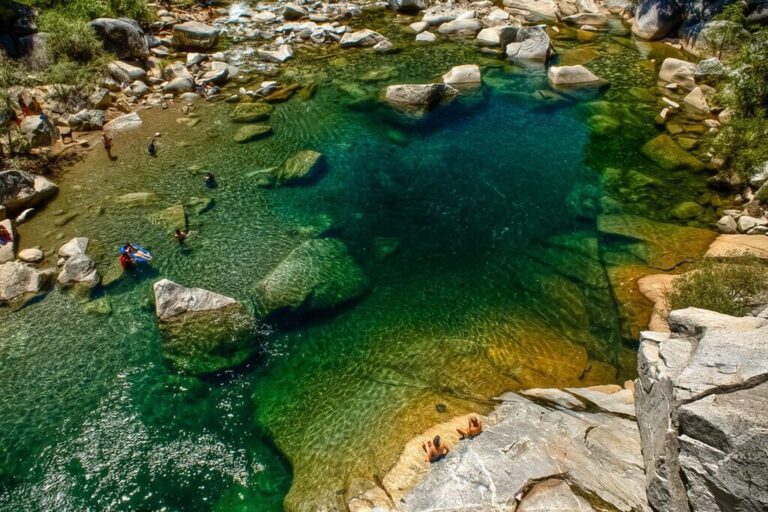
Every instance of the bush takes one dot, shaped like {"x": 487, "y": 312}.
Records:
{"x": 730, "y": 288}
{"x": 70, "y": 39}
{"x": 86, "y": 10}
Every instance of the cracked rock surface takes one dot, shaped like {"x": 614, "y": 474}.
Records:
{"x": 700, "y": 403}
{"x": 547, "y": 449}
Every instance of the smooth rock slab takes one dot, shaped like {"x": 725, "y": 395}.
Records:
{"x": 252, "y": 132}
{"x": 571, "y": 76}
{"x": 467, "y": 74}
{"x": 31, "y": 255}
{"x": 362, "y": 38}
{"x": 126, "y": 122}
{"x": 531, "y": 46}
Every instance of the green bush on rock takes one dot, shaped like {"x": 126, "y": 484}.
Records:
{"x": 729, "y": 288}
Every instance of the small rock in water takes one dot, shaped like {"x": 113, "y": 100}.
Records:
{"x": 441, "y": 408}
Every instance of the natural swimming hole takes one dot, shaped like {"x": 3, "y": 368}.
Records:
{"x": 476, "y": 226}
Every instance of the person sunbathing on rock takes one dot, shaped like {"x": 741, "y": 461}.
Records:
{"x": 435, "y": 449}
{"x": 474, "y": 427}
{"x": 5, "y": 236}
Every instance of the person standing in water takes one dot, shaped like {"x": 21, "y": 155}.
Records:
{"x": 107, "y": 144}
{"x": 151, "y": 148}
{"x": 436, "y": 449}
{"x": 181, "y": 236}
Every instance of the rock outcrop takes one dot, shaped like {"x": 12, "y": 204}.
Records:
{"x": 20, "y": 190}
{"x": 318, "y": 274}
{"x": 542, "y": 449}
{"x": 204, "y": 332}
{"x": 123, "y": 37}
{"x": 700, "y": 402}
{"x": 78, "y": 268}
{"x": 18, "y": 280}
{"x": 656, "y": 19}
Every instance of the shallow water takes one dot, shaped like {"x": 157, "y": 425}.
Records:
{"x": 497, "y": 282}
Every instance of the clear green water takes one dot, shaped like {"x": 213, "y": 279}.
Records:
{"x": 497, "y": 283}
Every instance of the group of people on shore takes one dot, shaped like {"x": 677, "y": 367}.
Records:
{"x": 436, "y": 448}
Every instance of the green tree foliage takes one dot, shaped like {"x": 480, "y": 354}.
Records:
{"x": 745, "y": 92}
{"x": 729, "y": 288}
{"x": 727, "y": 33}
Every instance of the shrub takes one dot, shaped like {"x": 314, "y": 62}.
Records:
{"x": 87, "y": 10}
{"x": 70, "y": 39}
{"x": 730, "y": 288}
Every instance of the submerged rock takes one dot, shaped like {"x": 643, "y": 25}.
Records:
{"x": 667, "y": 154}
{"x": 361, "y": 38}
{"x": 251, "y": 112}
{"x": 252, "y": 132}
{"x": 18, "y": 280}
{"x": 20, "y": 190}
{"x": 700, "y": 399}
{"x": 173, "y": 217}
{"x": 204, "y": 332}
{"x": 318, "y": 274}
{"x": 295, "y": 169}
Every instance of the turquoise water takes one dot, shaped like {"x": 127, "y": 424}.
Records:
{"x": 496, "y": 282}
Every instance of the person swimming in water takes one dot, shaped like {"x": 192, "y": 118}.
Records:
{"x": 436, "y": 449}
{"x": 210, "y": 179}
{"x": 127, "y": 261}
{"x": 474, "y": 427}
{"x": 181, "y": 236}
{"x": 151, "y": 148}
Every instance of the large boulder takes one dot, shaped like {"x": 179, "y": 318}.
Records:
{"x": 204, "y": 332}
{"x": 541, "y": 450}
{"x": 318, "y": 274}
{"x": 39, "y": 131}
{"x": 464, "y": 75}
{"x": 678, "y": 72}
{"x": 500, "y": 35}
{"x": 20, "y": 190}
{"x": 88, "y": 119}
{"x": 657, "y": 19}
{"x": 408, "y": 6}
{"x": 418, "y": 96}
{"x": 193, "y": 35}
{"x": 125, "y": 122}
{"x": 18, "y": 280}
{"x": 531, "y": 46}
{"x": 361, "y": 38}
{"x": 667, "y": 154}
{"x": 80, "y": 269}
{"x": 572, "y": 76}
{"x": 123, "y": 37}
{"x": 461, "y": 27}
{"x": 700, "y": 401}
{"x": 125, "y": 72}
{"x": 705, "y": 38}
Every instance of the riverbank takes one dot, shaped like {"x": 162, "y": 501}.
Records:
{"x": 501, "y": 235}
